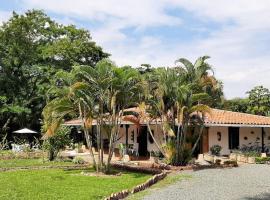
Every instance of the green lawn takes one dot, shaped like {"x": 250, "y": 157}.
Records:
{"x": 30, "y": 162}
{"x": 61, "y": 184}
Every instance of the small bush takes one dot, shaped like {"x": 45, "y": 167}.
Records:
{"x": 57, "y": 142}
{"x": 215, "y": 150}
{"x": 261, "y": 160}
{"x": 78, "y": 160}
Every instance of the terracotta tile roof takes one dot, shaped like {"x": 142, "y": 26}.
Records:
{"x": 220, "y": 117}
{"x": 215, "y": 117}
{"x": 78, "y": 122}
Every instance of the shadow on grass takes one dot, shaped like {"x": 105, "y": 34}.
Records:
{"x": 114, "y": 171}
{"x": 264, "y": 196}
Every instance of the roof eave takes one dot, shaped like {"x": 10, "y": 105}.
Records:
{"x": 238, "y": 125}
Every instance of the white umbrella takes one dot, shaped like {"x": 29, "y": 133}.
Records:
{"x": 24, "y": 130}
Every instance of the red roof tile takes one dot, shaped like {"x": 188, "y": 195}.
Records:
{"x": 217, "y": 116}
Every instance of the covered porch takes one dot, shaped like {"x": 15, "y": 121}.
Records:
{"x": 133, "y": 140}
{"x": 236, "y": 131}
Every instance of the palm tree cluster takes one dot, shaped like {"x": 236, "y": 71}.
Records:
{"x": 100, "y": 95}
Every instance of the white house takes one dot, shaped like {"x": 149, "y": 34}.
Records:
{"x": 230, "y": 130}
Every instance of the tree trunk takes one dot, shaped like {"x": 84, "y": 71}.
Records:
{"x": 198, "y": 139}
{"x": 177, "y": 142}
{"x": 154, "y": 139}
{"x": 98, "y": 145}
{"x": 51, "y": 155}
{"x": 89, "y": 145}
{"x": 87, "y": 138}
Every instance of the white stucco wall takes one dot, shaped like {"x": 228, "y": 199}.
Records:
{"x": 158, "y": 136}
{"x": 251, "y": 134}
{"x": 213, "y": 138}
{"x": 122, "y": 136}
{"x": 150, "y": 146}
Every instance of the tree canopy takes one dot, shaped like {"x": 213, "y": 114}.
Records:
{"x": 259, "y": 101}
{"x": 33, "y": 47}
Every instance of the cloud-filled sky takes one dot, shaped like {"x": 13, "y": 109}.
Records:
{"x": 234, "y": 33}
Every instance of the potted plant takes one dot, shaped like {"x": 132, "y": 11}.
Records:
{"x": 215, "y": 150}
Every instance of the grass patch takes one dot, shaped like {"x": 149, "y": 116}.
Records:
{"x": 31, "y": 162}
{"x": 170, "y": 179}
{"x": 61, "y": 184}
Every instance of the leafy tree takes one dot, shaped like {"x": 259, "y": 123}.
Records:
{"x": 237, "y": 105}
{"x": 114, "y": 90}
{"x": 172, "y": 96}
{"x": 101, "y": 93}
{"x": 259, "y": 101}
{"x": 33, "y": 48}
{"x": 69, "y": 98}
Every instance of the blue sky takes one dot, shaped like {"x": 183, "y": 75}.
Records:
{"x": 235, "y": 35}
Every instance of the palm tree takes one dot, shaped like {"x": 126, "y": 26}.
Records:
{"x": 114, "y": 90}
{"x": 175, "y": 94}
{"x": 198, "y": 78}
{"x": 70, "y": 99}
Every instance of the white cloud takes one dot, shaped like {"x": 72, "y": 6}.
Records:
{"x": 136, "y": 13}
{"x": 4, "y": 15}
{"x": 238, "y": 47}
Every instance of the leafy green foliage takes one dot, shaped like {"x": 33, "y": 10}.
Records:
{"x": 57, "y": 142}
{"x": 33, "y": 48}
{"x": 262, "y": 160}
{"x": 78, "y": 160}
{"x": 215, "y": 150}
{"x": 237, "y": 105}
{"x": 259, "y": 101}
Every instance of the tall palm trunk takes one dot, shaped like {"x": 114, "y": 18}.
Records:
{"x": 87, "y": 138}
{"x": 198, "y": 139}
{"x": 154, "y": 139}
{"x": 98, "y": 146}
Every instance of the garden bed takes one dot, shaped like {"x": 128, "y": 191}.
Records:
{"x": 240, "y": 157}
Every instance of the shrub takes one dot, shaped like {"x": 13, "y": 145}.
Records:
{"x": 57, "y": 142}
{"x": 215, "y": 150}
{"x": 261, "y": 160}
{"x": 78, "y": 160}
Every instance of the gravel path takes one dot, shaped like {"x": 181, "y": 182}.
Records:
{"x": 247, "y": 182}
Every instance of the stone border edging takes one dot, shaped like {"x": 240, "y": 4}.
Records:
{"x": 124, "y": 193}
{"x": 158, "y": 175}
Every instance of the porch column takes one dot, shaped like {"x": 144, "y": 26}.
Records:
{"x": 262, "y": 140}
{"x": 127, "y": 127}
